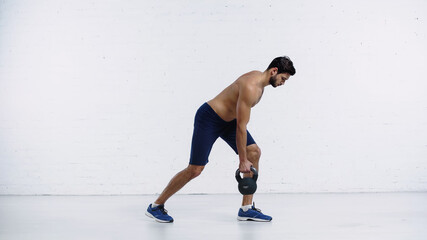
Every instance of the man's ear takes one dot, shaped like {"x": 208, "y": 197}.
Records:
{"x": 274, "y": 71}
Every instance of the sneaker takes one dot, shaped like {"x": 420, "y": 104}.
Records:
{"x": 159, "y": 213}
{"x": 253, "y": 214}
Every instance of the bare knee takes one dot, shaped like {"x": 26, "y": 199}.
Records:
{"x": 253, "y": 152}
{"x": 194, "y": 170}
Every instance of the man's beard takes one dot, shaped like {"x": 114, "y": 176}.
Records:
{"x": 273, "y": 82}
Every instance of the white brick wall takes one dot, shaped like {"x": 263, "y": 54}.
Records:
{"x": 98, "y": 97}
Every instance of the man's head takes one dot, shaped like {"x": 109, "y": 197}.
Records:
{"x": 281, "y": 69}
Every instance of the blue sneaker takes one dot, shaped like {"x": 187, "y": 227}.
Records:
{"x": 253, "y": 214}
{"x": 159, "y": 213}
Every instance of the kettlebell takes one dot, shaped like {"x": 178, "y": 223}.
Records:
{"x": 247, "y": 185}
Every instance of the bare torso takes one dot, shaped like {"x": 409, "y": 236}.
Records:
{"x": 224, "y": 104}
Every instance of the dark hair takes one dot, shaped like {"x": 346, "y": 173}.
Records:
{"x": 283, "y": 64}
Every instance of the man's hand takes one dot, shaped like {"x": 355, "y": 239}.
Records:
{"x": 245, "y": 166}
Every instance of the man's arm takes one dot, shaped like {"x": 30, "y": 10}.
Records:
{"x": 243, "y": 112}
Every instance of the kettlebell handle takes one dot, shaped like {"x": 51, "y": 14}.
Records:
{"x": 254, "y": 177}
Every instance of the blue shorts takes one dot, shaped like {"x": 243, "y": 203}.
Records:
{"x": 208, "y": 126}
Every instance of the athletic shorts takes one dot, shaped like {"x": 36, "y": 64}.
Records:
{"x": 208, "y": 126}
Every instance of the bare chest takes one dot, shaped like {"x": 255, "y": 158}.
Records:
{"x": 259, "y": 96}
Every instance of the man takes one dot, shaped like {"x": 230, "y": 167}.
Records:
{"x": 226, "y": 116}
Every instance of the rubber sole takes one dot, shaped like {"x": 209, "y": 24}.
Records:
{"x": 253, "y": 219}
{"x": 157, "y": 220}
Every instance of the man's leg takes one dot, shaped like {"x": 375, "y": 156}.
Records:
{"x": 248, "y": 210}
{"x": 157, "y": 210}
{"x": 179, "y": 181}
{"x": 205, "y": 134}
{"x": 253, "y": 153}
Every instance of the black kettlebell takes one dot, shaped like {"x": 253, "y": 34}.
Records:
{"x": 247, "y": 185}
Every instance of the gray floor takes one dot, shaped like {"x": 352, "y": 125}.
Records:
{"x": 295, "y": 216}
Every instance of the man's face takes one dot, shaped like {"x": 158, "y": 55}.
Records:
{"x": 279, "y": 79}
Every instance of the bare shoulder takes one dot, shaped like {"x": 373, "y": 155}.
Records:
{"x": 252, "y": 75}
{"x": 248, "y": 80}
{"x": 248, "y": 88}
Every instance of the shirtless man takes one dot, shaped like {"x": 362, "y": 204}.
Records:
{"x": 226, "y": 116}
